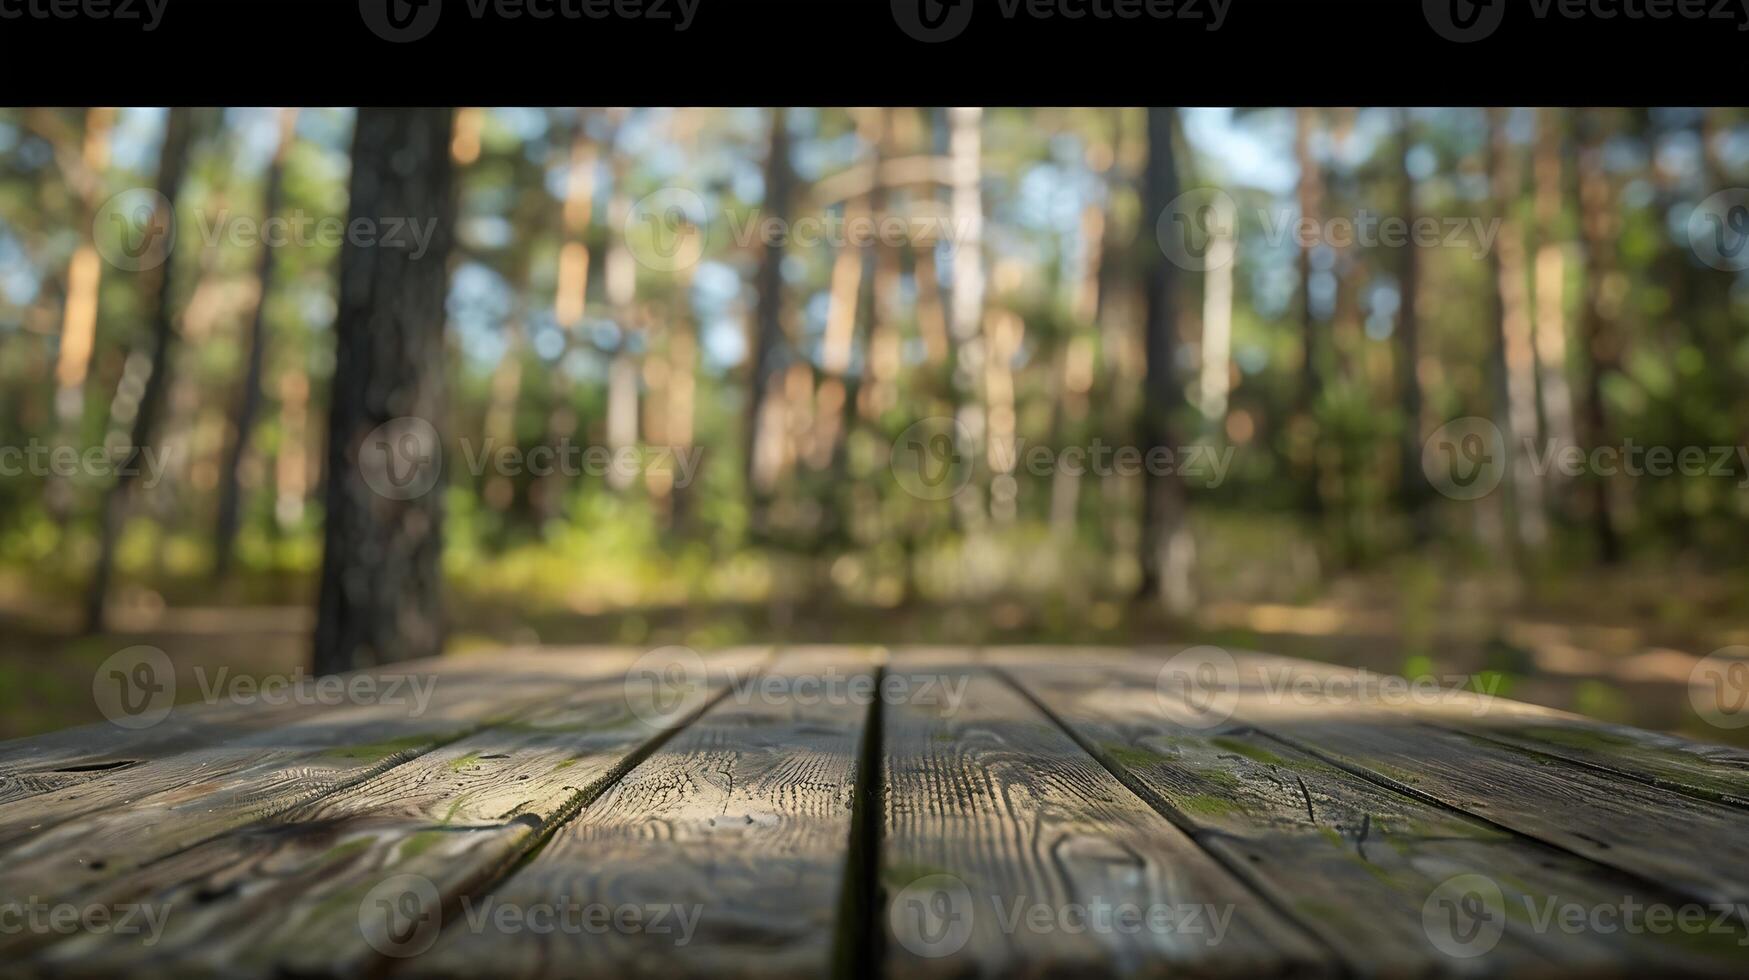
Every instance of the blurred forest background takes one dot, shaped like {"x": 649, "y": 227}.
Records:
{"x": 608, "y": 286}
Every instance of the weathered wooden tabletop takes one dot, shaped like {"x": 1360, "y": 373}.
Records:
{"x": 858, "y": 812}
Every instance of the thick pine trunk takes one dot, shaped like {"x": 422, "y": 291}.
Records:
{"x": 768, "y": 307}
{"x": 1166, "y": 546}
{"x": 380, "y": 597}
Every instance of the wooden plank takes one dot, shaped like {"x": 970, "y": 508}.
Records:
{"x": 1716, "y": 772}
{"x": 1353, "y": 860}
{"x": 286, "y": 895}
{"x": 61, "y": 841}
{"x": 68, "y": 758}
{"x": 1000, "y": 833}
{"x": 727, "y": 845}
{"x": 194, "y": 721}
{"x": 1697, "y": 848}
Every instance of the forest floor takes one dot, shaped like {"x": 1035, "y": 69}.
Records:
{"x": 1618, "y": 646}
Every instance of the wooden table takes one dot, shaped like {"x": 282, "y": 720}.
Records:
{"x": 869, "y": 812}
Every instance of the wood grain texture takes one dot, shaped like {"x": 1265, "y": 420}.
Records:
{"x": 58, "y": 760}
{"x": 722, "y": 854}
{"x": 62, "y": 841}
{"x": 289, "y": 895}
{"x": 1715, "y": 772}
{"x": 1692, "y": 846}
{"x": 1000, "y": 831}
{"x": 1354, "y": 861}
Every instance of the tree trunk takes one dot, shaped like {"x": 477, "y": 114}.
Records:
{"x": 1551, "y": 285}
{"x": 249, "y": 399}
{"x": 1516, "y": 349}
{"x": 380, "y": 596}
{"x": 1597, "y": 228}
{"x": 1412, "y": 482}
{"x": 172, "y": 166}
{"x": 966, "y": 305}
{"x": 1166, "y": 545}
{"x": 768, "y": 307}
{"x": 1310, "y": 193}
